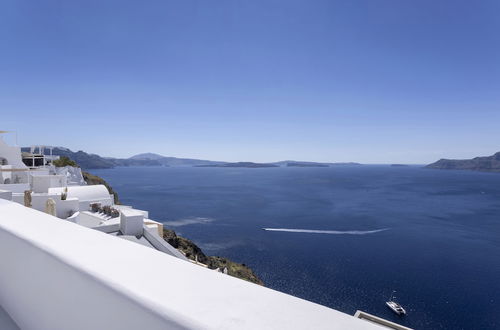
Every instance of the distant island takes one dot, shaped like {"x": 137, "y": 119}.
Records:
{"x": 306, "y": 164}
{"x": 399, "y": 165}
{"x": 240, "y": 164}
{"x": 344, "y": 164}
{"x": 484, "y": 164}
{"x": 92, "y": 161}
{"x": 294, "y": 163}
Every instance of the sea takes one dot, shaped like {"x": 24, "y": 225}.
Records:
{"x": 345, "y": 237}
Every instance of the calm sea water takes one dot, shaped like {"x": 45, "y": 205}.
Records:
{"x": 440, "y": 249}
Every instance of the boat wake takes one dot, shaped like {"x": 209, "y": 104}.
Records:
{"x": 331, "y": 232}
{"x": 189, "y": 221}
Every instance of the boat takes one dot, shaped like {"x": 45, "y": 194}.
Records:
{"x": 394, "y": 306}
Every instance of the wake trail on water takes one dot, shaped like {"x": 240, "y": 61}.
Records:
{"x": 331, "y": 232}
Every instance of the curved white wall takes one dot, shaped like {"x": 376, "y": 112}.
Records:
{"x": 84, "y": 192}
{"x": 59, "y": 275}
{"x": 86, "y": 195}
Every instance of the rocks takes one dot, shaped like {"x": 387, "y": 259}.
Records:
{"x": 193, "y": 252}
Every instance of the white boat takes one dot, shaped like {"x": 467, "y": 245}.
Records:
{"x": 394, "y": 306}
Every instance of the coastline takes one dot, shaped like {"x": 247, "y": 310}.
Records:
{"x": 188, "y": 247}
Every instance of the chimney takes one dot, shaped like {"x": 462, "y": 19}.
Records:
{"x": 131, "y": 222}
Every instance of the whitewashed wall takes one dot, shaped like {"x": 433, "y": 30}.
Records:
{"x": 6, "y": 194}
{"x": 59, "y": 275}
{"x": 42, "y": 183}
{"x": 15, "y": 188}
{"x": 12, "y": 154}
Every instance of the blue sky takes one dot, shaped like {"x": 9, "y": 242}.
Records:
{"x": 373, "y": 81}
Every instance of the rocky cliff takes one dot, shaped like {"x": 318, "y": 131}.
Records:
{"x": 485, "y": 164}
{"x": 193, "y": 252}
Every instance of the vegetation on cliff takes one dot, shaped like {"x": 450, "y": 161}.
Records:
{"x": 193, "y": 252}
{"x": 94, "y": 179}
{"x": 64, "y": 161}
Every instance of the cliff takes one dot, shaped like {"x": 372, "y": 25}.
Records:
{"x": 193, "y": 252}
{"x": 485, "y": 164}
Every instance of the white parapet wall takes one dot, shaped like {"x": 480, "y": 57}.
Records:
{"x": 6, "y": 194}
{"x": 59, "y": 275}
{"x": 122, "y": 207}
{"x": 16, "y": 187}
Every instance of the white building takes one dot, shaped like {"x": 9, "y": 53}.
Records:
{"x": 96, "y": 265}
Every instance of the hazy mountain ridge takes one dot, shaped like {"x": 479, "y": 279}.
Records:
{"x": 147, "y": 155}
{"x": 174, "y": 161}
{"x": 485, "y": 164}
{"x": 93, "y": 161}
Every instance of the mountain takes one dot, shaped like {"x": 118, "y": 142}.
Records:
{"x": 93, "y": 161}
{"x": 485, "y": 164}
{"x": 147, "y": 156}
{"x": 173, "y": 161}
{"x": 134, "y": 162}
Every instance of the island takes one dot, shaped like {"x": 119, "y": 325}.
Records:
{"x": 306, "y": 164}
{"x": 344, "y": 164}
{"x": 484, "y": 164}
{"x": 240, "y": 164}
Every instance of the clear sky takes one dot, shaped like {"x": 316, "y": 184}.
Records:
{"x": 373, "y": 81}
